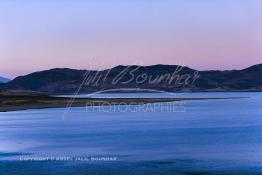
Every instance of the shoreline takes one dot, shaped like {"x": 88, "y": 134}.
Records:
{"x": 167, "y": 92}
{"x": 10, "y": 102}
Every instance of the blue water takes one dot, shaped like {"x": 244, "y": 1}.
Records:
{"x": 215, "y": 133}
{"x": 164, "y": 95}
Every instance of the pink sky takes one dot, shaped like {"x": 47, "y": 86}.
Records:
{"x": 95, "y": 35}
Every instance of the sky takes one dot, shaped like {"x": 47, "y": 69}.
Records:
{"x": 99, "y": 34}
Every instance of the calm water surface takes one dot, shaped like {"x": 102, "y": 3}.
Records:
{"x": 216, "y": 133}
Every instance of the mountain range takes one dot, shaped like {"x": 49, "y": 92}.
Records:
{"x": 4, "y": 80}
{"x": 171, "y": 78}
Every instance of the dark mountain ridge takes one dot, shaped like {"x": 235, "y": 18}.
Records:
{"x": 172, "y": 78}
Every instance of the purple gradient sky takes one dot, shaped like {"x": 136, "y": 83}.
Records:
{"x": 97, "y": 34}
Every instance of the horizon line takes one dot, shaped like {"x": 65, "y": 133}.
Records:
{"x": 131, "y": 65}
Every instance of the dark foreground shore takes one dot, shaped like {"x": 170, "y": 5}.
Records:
{"x": 173, "y": 167}
{"x": 14, "y": 102}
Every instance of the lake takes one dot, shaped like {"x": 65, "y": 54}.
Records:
{"x": 211, "y": 136}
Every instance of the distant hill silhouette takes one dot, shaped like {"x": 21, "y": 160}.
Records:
{"x": 4, "y": 80}
{"x": 170, "y": 78}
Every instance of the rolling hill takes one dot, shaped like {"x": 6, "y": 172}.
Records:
{"x": 172, "y": 78}
{"x": 4, "y": 80}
